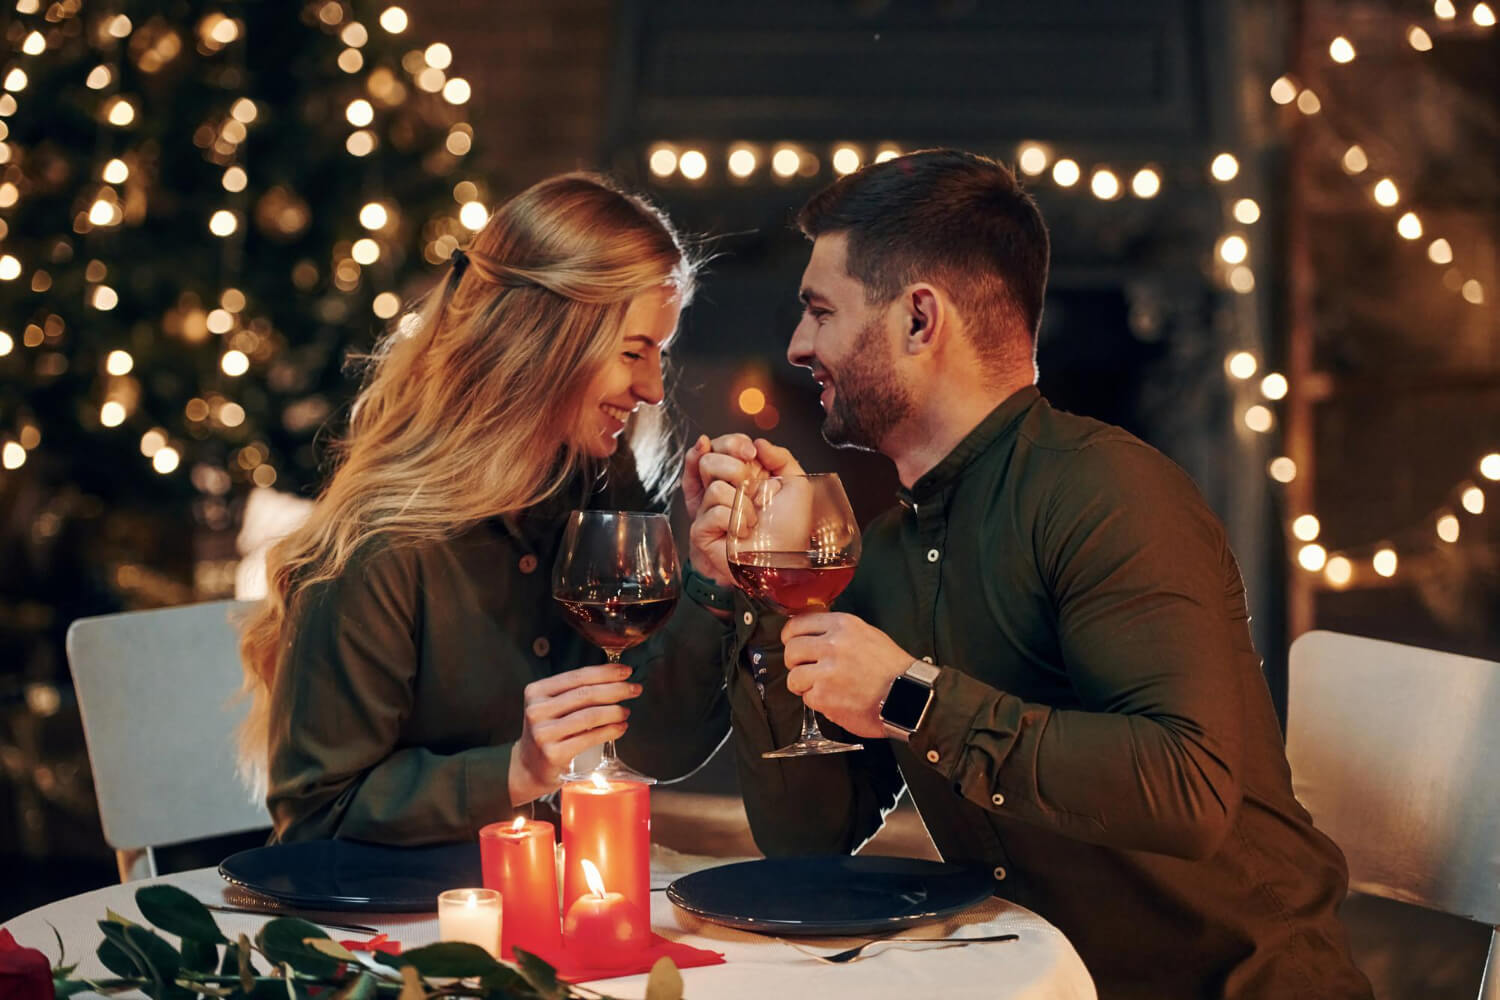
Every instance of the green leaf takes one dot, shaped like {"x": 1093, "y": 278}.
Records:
{"x": 283, "y": 940}
{"x": 178, "y": 912}
{"x": 115, "y": 918}
{"x": 199, "y": 956}
{"x": 117, "y": 960}
{"x": 62, "y": 987}
{"x": 505, "y": 980}
{"x": 62, "y": 951}
{"x": 665, "y": 982}
{"x": 450, "y": 959}
{"x": 361, "y": 987}
{"x": 541, "y": 976}
{"x": 332, "y": 949}
{"x": 164, "y": 961}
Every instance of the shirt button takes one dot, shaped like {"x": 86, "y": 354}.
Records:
{"x": 998, "y": 799}
{"x": 932, "y": 555}
{"x": 926, "y": 659}
{"x": 528, "y": 563}
{"x": 748, "y": 618}
{"x": 999, "y": 873}
{"x": 540, "y": 646}
{"x": 932, "y": 756}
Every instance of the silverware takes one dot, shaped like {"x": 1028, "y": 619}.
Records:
{"x": 850, "y": 954}
{"x": 310, "y": 918}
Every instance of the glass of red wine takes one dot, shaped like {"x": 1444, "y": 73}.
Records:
{"x": 793, "y": 547}
{"x": 617, "y": 581}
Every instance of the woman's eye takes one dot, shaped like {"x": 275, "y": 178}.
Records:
{"x": 633, "y": 356}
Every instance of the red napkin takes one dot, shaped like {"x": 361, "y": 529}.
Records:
{"x": 380, "y": 942}
{"x": 570, "y": 969}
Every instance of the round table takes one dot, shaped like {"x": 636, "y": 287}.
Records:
{"x": 1041, "y": 964}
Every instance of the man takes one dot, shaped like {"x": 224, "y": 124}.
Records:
{"x": 1046, "y": 642}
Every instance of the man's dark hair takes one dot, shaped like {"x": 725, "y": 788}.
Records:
{"x": 953, "y": 218}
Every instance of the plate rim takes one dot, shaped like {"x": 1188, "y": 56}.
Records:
{"x": 337, "y": 903}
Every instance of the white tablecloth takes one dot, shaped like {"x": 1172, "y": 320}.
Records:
{"x": 1041, "y": 964}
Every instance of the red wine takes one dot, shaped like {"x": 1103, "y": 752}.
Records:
{"x": 617, "y": 624}
{"x": 791, "y": 582}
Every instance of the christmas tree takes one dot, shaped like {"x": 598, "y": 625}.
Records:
{"x": 205, "y": 208}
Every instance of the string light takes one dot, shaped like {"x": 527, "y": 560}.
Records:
{"x": 119, "y": 363}
{"x": 359, "y": 112}
{"x": 365, "y": 251}
{"x": 1483, "y": 15}
{"x": 1448, "y": 528}
{"x": 1246, "y": 211}
{"x": 165, "y": 460}
{"x": 1439, "y": 252}
{"x": 785, "y": 161}
{"x": 1473, "y": 292}
{"x": 223, "y": 223}
{"x": 234, "y": 363}
{"x": 1032, "y": 159}
{"x": 1146, "y": 183}
{"x": 1274, "y": 386}
{"x": 1242, "y": 279}
{"x": 1385, "y": 192}
{"x": 355, "y": 36}
{"x": 1339, "y": 571}
{"x": 1258, "y": 418}
{"x": 1282, "y": 469}
{"x": 1409, "y": 226}
{"x": 1473, "y": 500}
{"x": 115, "y": 172}
{"x": 1385, "y": 562}
{"x": 219, "y": 321}
{"x": 886, "y": 153}
{"x": 663, "y": 161}
{"x": 1306, "y": 527}
{"x": 35, "y": 44}
{"x": 112, "y": 413}
{"x": 1241, "y": 365}
{"x": 1489, "y": 466}
{"x": 437, "y": 55}
{"x": 1419, "y": 39}
{"x": 12, "y": 456}
{"x": 10, "y": 268}
{"x": 1065, "y": 173}
{"x": 373, "y": 216}
{"x": 104, "y": 298}
{"x": 1341, "y": 50}
{"x": 693, "y": 165}
{"x": 1104, "y": 184}
{"x": 1233, "y": 249}
{"x": 742, "y": 161}
{"x": 1283, "y": 91}
{"x": 1355, "y": 161}
{"x": 7, "y": 343}
{"x": 846, "y": 159}
{"x": 231, "y": 414}
{"x": 1312, "y": 557}
{"x": 121, "y": 112}
{"x": 457, "y": 91}
{"x": 393, "y": 19}
{"x": 1444, "y": 10}
{"x": 751, "y": 401}
{"x": 1224, "y": 167}
{"x": 473, "y": 215}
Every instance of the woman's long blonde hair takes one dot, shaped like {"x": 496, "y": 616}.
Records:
{"x": 445, "y": 430}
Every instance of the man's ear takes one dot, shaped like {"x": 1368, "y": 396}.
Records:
{"x": 925, "y": 315}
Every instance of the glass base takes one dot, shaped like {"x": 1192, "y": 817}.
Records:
{"x": 610, "y": 769}
{"x": 812, "y": 748}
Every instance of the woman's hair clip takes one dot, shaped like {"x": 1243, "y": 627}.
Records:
{"x": 460, "y": 262}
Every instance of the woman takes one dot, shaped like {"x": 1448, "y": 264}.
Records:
{"x": 411, "y": 681}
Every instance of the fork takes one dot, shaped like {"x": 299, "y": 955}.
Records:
{"x": 850, "y": 954}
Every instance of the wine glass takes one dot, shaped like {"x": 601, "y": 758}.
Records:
{"x": 617, "y": 581}
{"x": 793, "y": 545}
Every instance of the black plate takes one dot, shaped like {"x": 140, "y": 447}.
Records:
{"x": 349, "y": 875}
{"x": 830, "y": 896}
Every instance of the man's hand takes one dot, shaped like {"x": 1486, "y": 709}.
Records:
{"x": 712, "y": 472}
{"x": 842, "y": 666}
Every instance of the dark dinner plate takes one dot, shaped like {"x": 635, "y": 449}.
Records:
{"x": 830, "y": 896}
{"x": 349, "y": 875}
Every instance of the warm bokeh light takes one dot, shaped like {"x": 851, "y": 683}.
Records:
{"x": 1355, "y": 161}
{"x": 1246, "y": 211}
{"x": 457, "y": 91}
{"x": 1473, "y": 292}
{"x": 1283, "y": 91}
{"x": 1419, "y": 39}
{"x": 10, "y": 268}
{"x": 1312, "y": 557}
{"x": 1105, "y": 184}
{"x": 235, "y": 179}
{"x": 1483, "y": 15}
{"x": 693, "y": 164}
{"x": 166, "y": 460}
{"x": 354, "y": 35}
{"x": 1341, "y": 50}
{"x": 360, "y": 112}
{"x": 119, "y": 363}
{"x": 1308, "y": 103}
{"x": 846, "y": 159}
{"x": 1233, "y": 249}
{"x": 742, "y": 161}
{"x": 1439, "y": 251}
{"x": 16, "y": 80}
{"x": 473, "y": 215}
{"x": 886, "y": 152}
{"x": 35, "y": 44}
{"x": 102, "y": 213}
{"x": 365, "y": 251}
{"x": 438, "y": 55}
{"x": 785, "y": 161}
{"x": 1282, "y": 469}
{"x": 7, "y": 343}
{"x": 115, "y": 172}
{"x": 1241, "y": 364}
{"x": 121, "y": 113}
{"x": 1339, "y": 571}
{"x": 105, "y": 298}
{"x": 219, "y": 321}
{"x": 153, "y": 441}
{"x": 12, "y": 456}
{"x": 393, "y": 19}
{"x": 1444, "y": 10}
{"x": 1224, "y": 167}
{"x": 1489, "y": 466}
{"x": 1032, "y": 159}
{"x": 112, "y": 414}
{"x": 1274, "y": 386}
{"x": 1473, "y": 500}
{"x": 1385, "y": 562}
{"x": 234, "y": 363}
{"x": 663, "y": 161}
{"x": 386, "y": 305}
{"x": 223, "y": 223}
{"x": 231, "y": 414}
{"x": 1409, "y": 226}
{"x": 374, "y": 216}
{"x": 99, "y": 77}
{"x": 1306, "y": 527}
{"x": 751, "y": 401}
{"x": 1448, "y": 528}
{"x": 1258, "y": 418}
{"x": 1386, "y": 193}
{"x": 1146, "y": 183}
{"x": 1065, "y": 172}
{"x": 1242, "y": 279}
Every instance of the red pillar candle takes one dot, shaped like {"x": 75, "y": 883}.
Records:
{"x": 608, "y": 822}
{"x": 602, "y": 929}
{"x": 520, "y": 860}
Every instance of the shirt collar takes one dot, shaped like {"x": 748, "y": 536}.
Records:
{"x": 1000, "y": 422}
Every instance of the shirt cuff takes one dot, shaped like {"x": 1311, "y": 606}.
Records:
{"x": 487, "y": 785}
{"x": 939, "y": 742}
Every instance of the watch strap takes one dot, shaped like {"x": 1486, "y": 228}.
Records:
{"x": 707, "y": 591}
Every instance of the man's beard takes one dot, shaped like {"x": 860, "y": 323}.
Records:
{"x": 868, "y": 399}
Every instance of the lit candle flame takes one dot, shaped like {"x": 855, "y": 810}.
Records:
{"x": 473, "y": 902}
{"x": 599, "y": 782}
{"x": 518, "y": 825}
{"x": 592, "y": 876}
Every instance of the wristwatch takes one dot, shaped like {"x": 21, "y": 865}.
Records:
{"x": 905, "y": 704}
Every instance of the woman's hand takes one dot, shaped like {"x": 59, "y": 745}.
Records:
{"x": 565, "y": 715}
{"x": 712, "y": 473}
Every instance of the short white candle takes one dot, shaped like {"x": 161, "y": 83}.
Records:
{"x": 471, "y": 915}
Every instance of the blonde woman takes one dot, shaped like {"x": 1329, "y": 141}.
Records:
{"x": 411, "y": 681}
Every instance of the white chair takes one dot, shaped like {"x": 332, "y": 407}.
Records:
{"x": 1395, "y": 750}
{"x": 155, "y": 689}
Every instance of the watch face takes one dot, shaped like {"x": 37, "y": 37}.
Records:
{"x": 904, "y": 705}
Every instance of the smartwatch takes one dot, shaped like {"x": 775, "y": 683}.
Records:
{"x": 906, "y": 703}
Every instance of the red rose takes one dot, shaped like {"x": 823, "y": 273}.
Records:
{"x": 25, "y": 973}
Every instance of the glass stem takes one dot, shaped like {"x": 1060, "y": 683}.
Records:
{"x": 810, "y": 730}
{"x": 607, "y": 753}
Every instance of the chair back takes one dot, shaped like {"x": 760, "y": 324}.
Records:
{"x": 155, "y": 691}
{"x": 1395, "y": 750}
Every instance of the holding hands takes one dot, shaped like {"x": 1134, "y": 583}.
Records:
{"x": 712, "y": 473}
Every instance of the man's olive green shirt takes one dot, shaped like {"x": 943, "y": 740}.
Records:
{"x": 1101, "y": 739}
{"x": 399, "y": 694}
